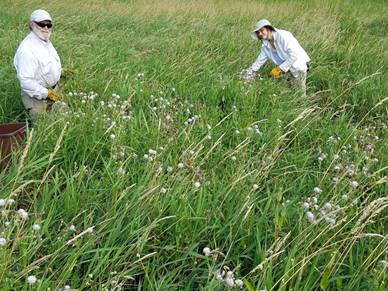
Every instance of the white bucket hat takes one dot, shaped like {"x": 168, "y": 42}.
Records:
{"x": 259, "y": 25}
{"x": 40, "y": 15}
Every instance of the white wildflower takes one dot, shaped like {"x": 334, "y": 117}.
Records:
{"x": 23, "y": 214}
{"x": 321, "y": 157}
{"x": 354, "y": 184}
{"x": 317, "y": 190}
{"x": 112, "y": 136}
{"x": 337, "y": 168}
{"x": 181, "y": 165}
{"x": 310, "y": 216}
{"x": 197, "y": 184}
{"x": 3, "y": 241}
{"x": 72, "y": 228}
{"x": 229, "y": 282}
{"x": 163, "y": 190}
{"x": 329, "y": 220}
{"x": 36, "y": 227}
{"x": 219, "y": 275}
{"x": 306, "y": 205}
{"x": 152, "y": 152}
{"x": 255, "y": 186}
{"x": 2, "y": 202}
{"x": 121, "y": 171}
{"x": 206, "y": 251}
{"x": 384, "y": 263}
{"x": 31, "y": 280}
{"x": 327, "y": 206}
{"x": 239, "y": 283}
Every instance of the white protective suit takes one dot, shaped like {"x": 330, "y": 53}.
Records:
{"x": 38, "y": 67}
{"x": 288, "y": 55}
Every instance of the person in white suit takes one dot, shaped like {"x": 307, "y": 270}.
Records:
{"x": 284, "y": 50}
{"x": 38, "y": 65}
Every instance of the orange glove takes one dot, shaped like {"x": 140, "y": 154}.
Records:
{"x": 53, "y": 95}
{"x": 276, "y": 72}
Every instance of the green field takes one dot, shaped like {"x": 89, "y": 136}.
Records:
{"x": 163, "y": 152}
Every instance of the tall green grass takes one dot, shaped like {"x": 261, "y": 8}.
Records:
{"x": 233, "y": 164}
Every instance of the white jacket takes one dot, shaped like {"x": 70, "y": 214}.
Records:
{"x": 38, "y": 67}
{"x": 288, "y": 55}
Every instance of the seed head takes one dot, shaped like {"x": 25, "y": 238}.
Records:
{"x": 239, "y": 283}
{"x": 354, "y": 184}
{"x": 23, "y": 214}
{"x": 206, "y": 251}
{"x": 310, "y": 216}
{"x": 229, "y": 281}
{"x": 36, "y": 227}
{"x": 31, "y": 280}
{"x": 152, "y": 152}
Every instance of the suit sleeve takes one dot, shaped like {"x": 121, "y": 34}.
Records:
{"x": 290, "y": 45}
{"x": 261, "y": 59}
{"x": 26, "y": 68}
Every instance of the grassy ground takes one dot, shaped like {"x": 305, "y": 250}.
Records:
{"x": 162, "y": 152}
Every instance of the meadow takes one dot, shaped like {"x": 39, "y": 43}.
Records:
{"x": 165, "y": 172}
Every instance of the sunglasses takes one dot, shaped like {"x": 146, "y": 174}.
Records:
{"x": 44, "y": 24}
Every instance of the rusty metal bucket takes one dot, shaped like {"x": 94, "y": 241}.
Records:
{"x": 11, "y": 135}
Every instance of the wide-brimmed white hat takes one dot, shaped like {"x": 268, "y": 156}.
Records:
{"x": 259, "y": 25}
{"x": 40, "y": 15}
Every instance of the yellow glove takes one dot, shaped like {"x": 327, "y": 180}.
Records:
{"x": 276, "y": 72}
{"x": 53, "y": 95}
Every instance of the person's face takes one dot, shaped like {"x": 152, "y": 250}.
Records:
{"x": 263, "y": 33}
{"x": 43, "y": 27}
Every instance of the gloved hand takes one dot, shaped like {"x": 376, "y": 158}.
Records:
{"x": 54, "y": 95}
{"x": 247, "y": 75}
{"x": 276, "y": 72}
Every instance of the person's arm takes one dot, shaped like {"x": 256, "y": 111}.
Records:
{"x": 26, "y": 67}
{"x": 289, "y": 45}
{"x": 261, "y": 59}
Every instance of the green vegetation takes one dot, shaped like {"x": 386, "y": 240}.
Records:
{"x": 163, "y": 152}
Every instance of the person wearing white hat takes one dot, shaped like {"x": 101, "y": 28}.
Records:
{"x": 38, "y": 65}
{"x": 283, "y": 49}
